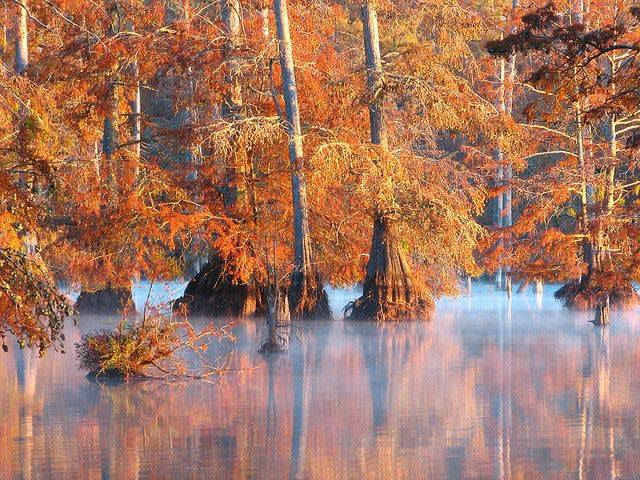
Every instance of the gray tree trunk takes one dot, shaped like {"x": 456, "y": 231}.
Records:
{"x": 22, "y": 38}
{"x": 373, "y": 60}
{"x": 505, "y": 168}
{"x": 231, "y": 15}
{"x": 110, "y": 131}
{"x": 137, "y": 122}
{"x": 307, "y": 295}
{"x": 499, "y": 155}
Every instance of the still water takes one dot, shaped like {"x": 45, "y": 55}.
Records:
{"x": 490, "y": 388}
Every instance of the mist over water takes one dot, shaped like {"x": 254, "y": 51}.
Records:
{"x": 490, "y": 388}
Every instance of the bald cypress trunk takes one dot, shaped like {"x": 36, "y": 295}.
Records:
{"x": 136, "y": 131}
{"x": 105, "y": 301}
{"x": 389, "y": 292}
{"x": 602, "y": 286}
{"x": 28, "y": 180}
{"x": 500, "y": 104}
{"x": 22, "y": 38}
{"x": 278, "y": 321}
{"x": 213, "y": 291}
{"x": 232, "y": 105}
{"x": 111, "y": 126}
{"x": 306, "y": 294}
{"x": 507, "y": 220}
{"x": 110, "y": 299}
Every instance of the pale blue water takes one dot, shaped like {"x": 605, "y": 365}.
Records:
{"x": 490, "y": 388}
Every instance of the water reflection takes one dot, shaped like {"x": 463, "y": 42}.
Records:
{"x": 490, "y": 389}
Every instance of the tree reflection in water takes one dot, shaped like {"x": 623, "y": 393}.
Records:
{"x": 488, "y": 389}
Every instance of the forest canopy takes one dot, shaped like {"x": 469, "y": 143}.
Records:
{"x": 267, "y": 150}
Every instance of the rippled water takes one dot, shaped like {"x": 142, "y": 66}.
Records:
{"x": 489, "y": 389}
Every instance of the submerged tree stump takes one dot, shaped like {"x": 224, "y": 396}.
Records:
{"x": 389, "y": 292}
{"x": 602, "y": 314}
{"x": 106, "y": 301}
{"x": 308, "y": 298}
{"x": 214, "y": 293}
{"x": 278, "y": 322}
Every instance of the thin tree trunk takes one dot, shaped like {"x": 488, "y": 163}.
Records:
{"x": 586, "y": 190}
{"x": 373, "y": 60}
{"x": 538, "y": 286}
{"x": 22, "y": 38}
{"x": 507, "y": 221}
{"x": 231, "y": 108}
{"x": 499, "y": 220}
{"x": 137, "y": 123}
{"x": 110, "y": 132}
{"x": 505, "y": 173}
{"x": 307, "y": 296}
{"x": 612, "y": 138}
{"x": 21, "y": 52}
{"x": 587, "y": 250}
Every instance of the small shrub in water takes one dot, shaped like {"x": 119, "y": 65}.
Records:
{"x": 154, "y": 347}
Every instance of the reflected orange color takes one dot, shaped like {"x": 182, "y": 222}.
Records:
{"x": 508, "y": 392}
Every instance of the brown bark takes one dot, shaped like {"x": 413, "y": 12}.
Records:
{"x": 214, "y": 293}
{"x": 278, "y": 322}
{"x": 389, "y": 292}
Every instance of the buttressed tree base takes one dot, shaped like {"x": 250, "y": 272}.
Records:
{"x": 213, "y": 293}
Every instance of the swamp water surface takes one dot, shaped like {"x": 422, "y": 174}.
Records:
{"x": 490, "y": 388}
